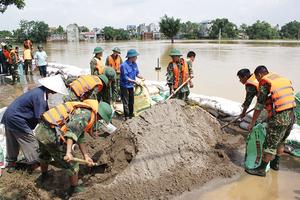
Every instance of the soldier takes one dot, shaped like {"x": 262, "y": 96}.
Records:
{"x": 65, "y": 125}
{"x": 177, "y": 73}
{"x": 109, "y": 93}
{"x": 96, "y": 64}
{"x": 191, "y": 55}
{"x": 86, "y": 87}
{"x": 14, "y": 62}
{"x": 22, "y": 116}
{"x": 115, "y": 61}
{"x": 277, "y": 96}
{"x": 251, "y": 86}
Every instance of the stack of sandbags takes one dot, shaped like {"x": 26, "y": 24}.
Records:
{"x": 2, "y": 140}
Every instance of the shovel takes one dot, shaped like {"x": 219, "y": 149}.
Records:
{"x": 183, "y": 84}
{"x": 232, "y": 121}
{"x": 83, "y": 162}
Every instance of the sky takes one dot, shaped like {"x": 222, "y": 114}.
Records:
{"x": 119, "y": 13}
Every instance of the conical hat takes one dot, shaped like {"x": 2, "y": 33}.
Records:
{"x": 54, "y": 83}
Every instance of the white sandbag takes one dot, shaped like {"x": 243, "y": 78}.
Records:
{"x": 295, "y": 134}
{"x": 2, "y": 110}
{"x": 2, "y": 146}
{"x": 244, "y": 125}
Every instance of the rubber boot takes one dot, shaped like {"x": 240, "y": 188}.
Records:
{"x": 259, "y": 171}
{"x": 74, "y": 190}
{"x": 274, "y": 164}
{"x": 11, "y": 167}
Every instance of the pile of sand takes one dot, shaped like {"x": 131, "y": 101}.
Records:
{"x": 167, "y": 150}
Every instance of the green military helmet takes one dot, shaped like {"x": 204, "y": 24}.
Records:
{"x": 132, "y": 53}
{"x": 175, "y": 52}
{"x": 105, "y": 111}
{"x": 110, "y": 73}
{"x": 98, "y": 50}
{"x": 104, "y": 79}
{"x": 117, "y": 49}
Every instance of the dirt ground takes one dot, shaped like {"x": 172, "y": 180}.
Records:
{"x": 165, "y": 151}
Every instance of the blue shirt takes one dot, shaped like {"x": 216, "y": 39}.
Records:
{"x": 24, "y": 113}
{"x": 128, "y": 70}
{"x": 41, "y": 58}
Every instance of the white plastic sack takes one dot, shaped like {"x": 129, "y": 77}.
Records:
{"x": 2, "y": 146}
{"x": 295, "y": 134}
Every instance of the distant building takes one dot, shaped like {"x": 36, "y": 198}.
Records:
{"x": 88, "y": 36}
{"x": 132, "y": 29}
{"x": 57, "y": 37}
{"x": 204, "y": 29}
{"x": 149, "y": 32}
{"x": 142, "y": 28}
{"x": 72, "y": 33}
{"x": 153, "y": 28}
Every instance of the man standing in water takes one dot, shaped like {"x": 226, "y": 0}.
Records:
{"x": 177, "y": 73}
{"x": 191, "y": 55}
{"x": 277, "y": 95}
{"x": 22, "y": 116}
{"x": 129, "y": 72}
{"x": 251, "y": 86}
{"x": 41, "y": 61}
{"x": 96, "y": 64}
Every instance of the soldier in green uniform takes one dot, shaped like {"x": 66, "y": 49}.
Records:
{"x": 52, "y": 147}
{"x": 109, "y": 91}
{"x": 251, "y": 87}
{"x": 276, "y": 94}
{"x": 97, "y": 64}
{"x": 191, "y": 55}
{"x": 92, "y": 93}
{"x": 177, "y": 73}
{"x": 13, "y": 62}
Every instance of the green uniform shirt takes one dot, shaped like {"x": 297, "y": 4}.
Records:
{"x": 262, "y": 97}
{"x": 251, "y": 92}
{"x": 93, "y": 65}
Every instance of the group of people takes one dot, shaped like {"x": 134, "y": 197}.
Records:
{"x": 275, "y": 94}
{"x": 11, "y": 63}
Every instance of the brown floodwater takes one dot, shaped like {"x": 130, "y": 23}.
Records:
{"x": 215, "y": 66}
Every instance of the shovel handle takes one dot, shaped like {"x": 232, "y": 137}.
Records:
{"x": 183, "y": 84}
{"x": 236, "y": 118}
{"x": 81, "y": 161}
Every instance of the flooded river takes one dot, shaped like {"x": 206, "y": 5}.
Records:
{"x": 215, "y": 66}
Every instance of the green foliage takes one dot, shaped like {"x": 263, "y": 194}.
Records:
{"x": 190, "y": 30}
{"x": 59, "y": 30}
{"x": 37, "y": 31}
{"x": 111, "y": 33}
{"x": 227, "y": 28}
{"x": 290, "y": 30}
{"x": 5, "y": 3}
{"x": 262, "y": 30}
{"x": 5, "y": 34}
{"x": 84, "y": 29}
{"x": 169, "y": 26}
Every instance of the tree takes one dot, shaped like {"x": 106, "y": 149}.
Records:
{"x": 37, "y": 31}
{"x": 169, "y": 26}
{"x": 227, "y": 29}
{"x": 111, "y": 33}
{"x": 5, "y": 3}
{"x": 59, "y": 30}
{"x": 190, "y": 30}
{"x": 262, "y": 30}
{"x": 290, "y": 30}
{"x": 84, "y": 29}
{"x": 5, "y": 34}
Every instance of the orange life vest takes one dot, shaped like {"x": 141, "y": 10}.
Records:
{"x": 13, "y": 54}
{"x": 59, "y": 115}
{"x": 99, "y": 66}
{"x": 86, "y": 83}
{"x": 281, "y": 92}
{"x": 115, "y": 63}
{"x": 184, "y": 73}
{"x": 252, "y": 81}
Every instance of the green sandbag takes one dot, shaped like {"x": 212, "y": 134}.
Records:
{"x": 297, "y": 110}
{"x": 254, "y": 146}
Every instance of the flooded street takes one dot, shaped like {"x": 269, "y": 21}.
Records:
{"x": 215, "y": 66}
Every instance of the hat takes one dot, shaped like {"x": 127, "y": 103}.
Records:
{"x": 105, "y": 111}
{"x": 3, "y": 44}
{"x": 132, "y": 53}
{"x": 117, "y": 49}
{"x": 175, "y": 52}
{"x": 104, "y": 79}
{"x": 40, "y": 46}
{"x": 54, "y": 83}
{"x": 110, "y": 73}
{"x": 98, "y": 50}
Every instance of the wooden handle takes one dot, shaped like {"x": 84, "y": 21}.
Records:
{"x": 236, "y": 118}
{"x": 178, "y": 89}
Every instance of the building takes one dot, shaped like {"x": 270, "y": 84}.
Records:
{"x": 149, "y": 32}
{"x": 204, "y": 28}
{"x": 57, "y": 37}
{"x": 72, "y": 33}
{"x": 132, "y": 29}
{"x": 88, "y": 36}
{"x": 142, "y": 28}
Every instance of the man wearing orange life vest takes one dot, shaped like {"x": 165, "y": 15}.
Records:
{"x": 177, "y": 73}
{"x": 96, "y": 64}
{"x": 13, "y": 63}
{"x": 251, "y": 86}
{"x": 86, "y": 87}
{"x": 277, "y": 91}
{"x": 115, "y": 61}
{"x": 65, "y": 125}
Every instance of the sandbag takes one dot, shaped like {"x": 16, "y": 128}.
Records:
{"x": 2, "y": 146}
{"x": 254, "y": 146}
{"x": 142, "y": 100}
